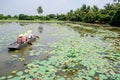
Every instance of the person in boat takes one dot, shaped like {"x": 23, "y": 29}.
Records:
{"x": 19, "y": 39}
{"x": 24, "y": 38}
{"x": 30, "y": 35}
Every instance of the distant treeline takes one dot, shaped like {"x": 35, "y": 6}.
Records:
{"x": 110, "y": 14}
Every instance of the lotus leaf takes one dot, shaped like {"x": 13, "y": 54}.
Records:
{"x": 34, "y": 69}
{"x": 29, "y": 79}
{"x": 19, "y": 73}
{"x": 102, "y": 77}
{"x": 2, "y": 78}
{"x": 16, "y": 78}
{"x": 10, "y": 76}
{"x": 22, "y": 76}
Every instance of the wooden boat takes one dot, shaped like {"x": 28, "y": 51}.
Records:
{"x": 15, "y": 45}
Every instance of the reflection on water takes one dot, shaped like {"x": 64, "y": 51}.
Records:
{"x": 23, "y": 24}
{"x": 40, "y": 29}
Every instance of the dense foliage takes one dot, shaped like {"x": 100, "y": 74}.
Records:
{"x": 116, "y": 19}
{"x": 108, "y": 15}
{"x": 25, "y": 17}
{"x": 39, "y": 10}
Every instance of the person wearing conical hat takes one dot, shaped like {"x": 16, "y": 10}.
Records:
{"x": 24, "y": 38}
{"x": 30, "y": 35}
{"x": 20, "y": 35}
{"x": 30, "y": 31}
{"x": 19, "y": 39}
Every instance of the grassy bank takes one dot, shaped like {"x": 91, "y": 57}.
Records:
{"x": 92, "y": 24}
{"x": 35, "y": 21}
{"x": 32, "y": 21}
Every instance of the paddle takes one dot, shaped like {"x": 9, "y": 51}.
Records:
{"x": 37, "y": 37}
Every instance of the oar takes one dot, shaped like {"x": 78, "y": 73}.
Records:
{"x": 37, "y": 37}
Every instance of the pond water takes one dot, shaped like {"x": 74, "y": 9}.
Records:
{"x": 15, "y": 60}
{"x": 49, "y": 33}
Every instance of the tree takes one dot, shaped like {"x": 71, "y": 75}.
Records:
{"x": 22, "y": 17}
{"x": 52, "y": 16}
{"x": 25, "y": 17}
{"x": 104, "y": 18}
{"x": 78, "y": 15}
{"x": 62, "y": 17}
{"x": 95, "y": 8}
{"x": 109, "y": 8}
{"x": 8, "y": 16}
{"x": 44, "y": 18}
{"x": 39, "y": 10}
{"x": 116, "y": 1}
{"x": 96, "y": 11}
{"x": 116, "y": 19}
{"x": 15, "y": 16}
{"x": 85, "y": 8}
{"x": 1, "y": 16}
{"x": 71, "y": 15}
{"x": 90, "y": 17}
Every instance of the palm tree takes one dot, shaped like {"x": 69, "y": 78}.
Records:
{"x": 85, "y": 8}
{"x": 95, "y": 8}
{"x": 39, "y": 10}
{"x": 108, "y": 6}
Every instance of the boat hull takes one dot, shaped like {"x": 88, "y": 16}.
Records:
{"x": 15, "y": 45}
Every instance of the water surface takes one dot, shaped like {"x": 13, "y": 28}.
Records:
{"x": 48, "y": 33}
{"x": 16, "y": 59}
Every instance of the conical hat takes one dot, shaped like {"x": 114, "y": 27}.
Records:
{"x": 25, "y": 34}
{"x": 29, "y": 31}
{"x": 20, "y": 35}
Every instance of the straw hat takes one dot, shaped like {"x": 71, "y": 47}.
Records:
{"x": 20, "y": 35}
{"x": 29, "y": 31}
{"x": 25, "y": 34}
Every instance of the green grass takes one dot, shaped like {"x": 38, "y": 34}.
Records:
{"x": 34, "y": 21}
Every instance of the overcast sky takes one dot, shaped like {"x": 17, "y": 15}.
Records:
{"x": 15, "y": 7}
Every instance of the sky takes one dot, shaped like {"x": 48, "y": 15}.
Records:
{"x": 16, "y": 7}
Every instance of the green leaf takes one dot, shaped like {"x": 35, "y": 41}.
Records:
{"x": 117, "y": 76}
{"x": 35, "y": 69}
{"x": 10, "y": 76}
{"x": 91, "y": 72}
{"x": 19, "y": 73}
{"x": 3, "y": 77}
{"x": 16, "y": 78}
{"x": 102, "y": 76}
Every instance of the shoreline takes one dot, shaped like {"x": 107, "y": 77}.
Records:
{"x": 95, "y": 24}
{"x": 32, "y": 21}
{"x": 56, "y": 21}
